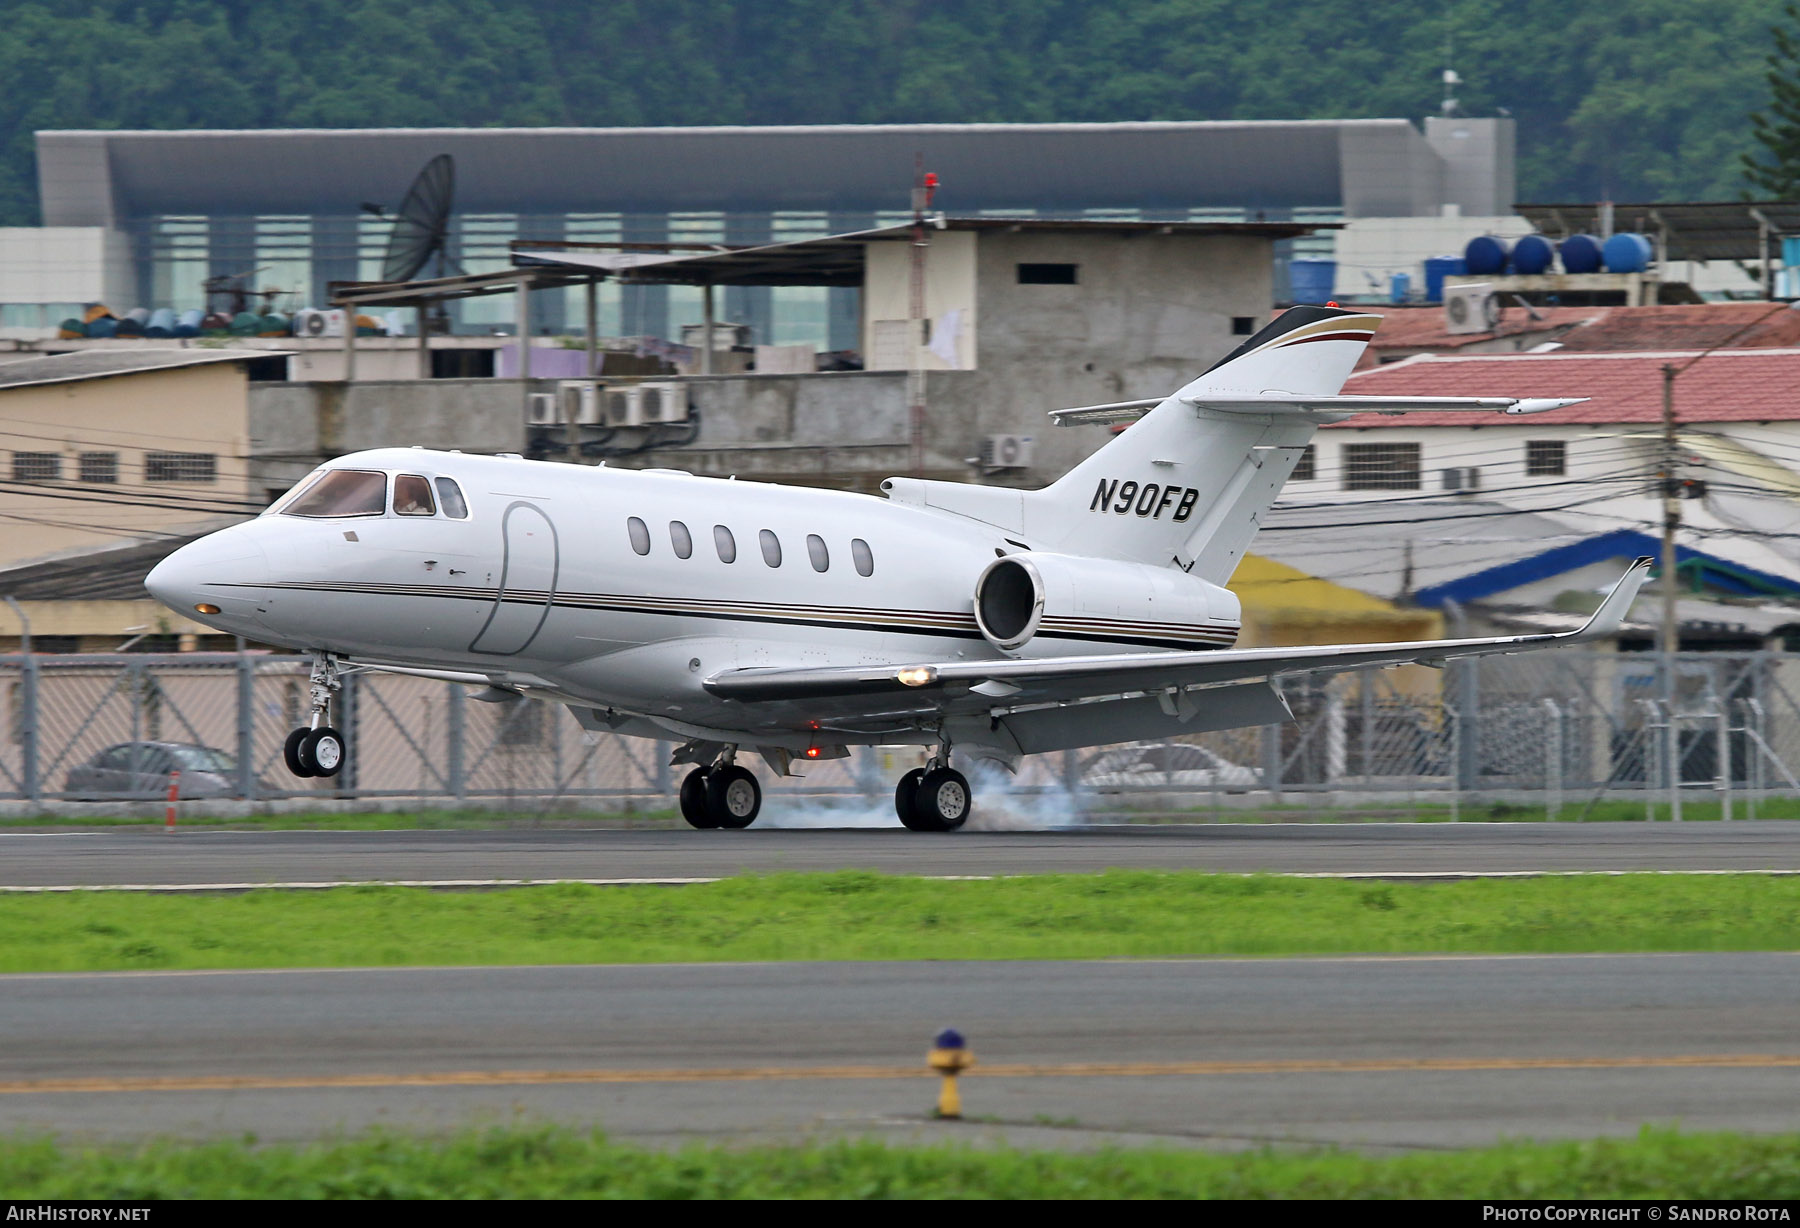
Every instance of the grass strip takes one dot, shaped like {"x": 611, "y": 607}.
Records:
{"x": 552, "y": 1162}
{"x": 863, "y": 915}
{"x": 395, "y": 820}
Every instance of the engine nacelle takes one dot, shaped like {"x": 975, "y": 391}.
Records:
{"x": 1040, "y": 596}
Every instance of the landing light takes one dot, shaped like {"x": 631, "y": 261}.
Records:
{"x": 917, "y": 675}
{"x": 207, "y": 607}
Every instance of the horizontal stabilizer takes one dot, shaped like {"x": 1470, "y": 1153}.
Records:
{"x": 1281, "y": 403}
{"x": 1117, "y": 411}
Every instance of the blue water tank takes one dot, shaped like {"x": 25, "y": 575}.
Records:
{"x": 102, "y": 326}
{"x": 1312, "y": 280}
{"x": 1486, "y": 256}
{"x": 1532, "y": 255}
{"x": 1436, "y": 269}
{"x": 1581, "y": 254}
{"x": 1399, "y": 287}
{"x": 187, "y": 324}
{"x": 161, "y": 323}
{"x": 1626, "y": 252}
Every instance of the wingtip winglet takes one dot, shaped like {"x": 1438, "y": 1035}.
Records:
{"x": 1611, "y": 614}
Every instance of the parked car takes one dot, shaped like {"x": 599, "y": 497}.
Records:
{"x": 141, "y": 769}
{"x": 1166, "y": 765}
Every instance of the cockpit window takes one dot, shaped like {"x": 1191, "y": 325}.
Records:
{"x": 412, "y": 496}
{"x": 343, "y": 492}
{"x": 451, "y": 496}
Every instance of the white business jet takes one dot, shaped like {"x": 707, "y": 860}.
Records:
{"x": 731, "y": 616}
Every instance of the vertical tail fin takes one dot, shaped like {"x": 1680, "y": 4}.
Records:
{"x": 1186, "y": 486}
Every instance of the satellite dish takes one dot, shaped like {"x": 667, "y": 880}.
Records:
{"x": 422, "y": 222}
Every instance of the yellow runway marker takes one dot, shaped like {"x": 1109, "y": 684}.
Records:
{"x": 1002, "y": 1070}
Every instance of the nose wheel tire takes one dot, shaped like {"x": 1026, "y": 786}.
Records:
{"x": 321, "y": 752}
{"x": 942, "y": 801}
{"x": 693, "y": 800}
{"x": 290, "y": 752}
{"x": 905, "y": 794}
{"x": 733, "y": 798}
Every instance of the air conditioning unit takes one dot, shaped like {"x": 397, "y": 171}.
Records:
{"x": 541, "y": 409}
{"x": 1006, "y": 451}
{"x": 623, "y": 406}
{"x": 1471, "y": 308}
{"x": 1462, "y": 480}
{"x": 319, "y": 322}
{"x": 663, "y": 402}
{"x": 580, "y": 400}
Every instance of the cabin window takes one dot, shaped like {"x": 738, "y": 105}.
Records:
{"x": 450, "y": 497}
{"x": 1381, "y": 466}
{"x": 771, "y": 547}
{"x": 862, "y": 556}
{"x": 640, "y": 535}
{"x": 1306, "y": 468}
{"x": 99, "y": 466}
{"x": 681, "y": 539}
{"x": 816, "y": 551}
{"x": 342, "y": 492}
{"x": 412, "y": 496}
{"x": 1546, "y": 458}
{"x": 726, "y": 543}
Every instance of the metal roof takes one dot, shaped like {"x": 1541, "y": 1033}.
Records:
{"x": 1701, "y": 230}
{"x": 110, "y": 573}
{"x": 1365, "y": 166}
{"x": 837, "y": 260}
{"x": 102, "y": 364}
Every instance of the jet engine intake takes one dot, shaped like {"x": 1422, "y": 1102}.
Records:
{"x": 1036, "y": 595}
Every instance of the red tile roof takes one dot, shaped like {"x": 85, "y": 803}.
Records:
{"x": 1696, "y": 326}
{"x": 1724, "y": 386}
{"x": 1422, "y": 328}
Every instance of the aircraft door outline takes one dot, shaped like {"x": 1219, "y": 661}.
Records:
{"x": 525, "y": 566}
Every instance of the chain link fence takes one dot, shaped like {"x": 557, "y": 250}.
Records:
{"x": 1564, "y": 727}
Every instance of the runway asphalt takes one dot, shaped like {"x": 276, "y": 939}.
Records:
{"x": 1378, "y": 1052}
{"x": 148, "y": 856}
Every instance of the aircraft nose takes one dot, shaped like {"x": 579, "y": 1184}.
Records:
{"x": 221, "y": 571}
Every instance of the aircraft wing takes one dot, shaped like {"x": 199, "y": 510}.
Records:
{"x": 1014, "y": 683}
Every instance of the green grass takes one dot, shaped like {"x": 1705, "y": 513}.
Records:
{"x": 401, "y": 820}
{"x": 548, "y": 1162}
{"x": 864, "y": 915}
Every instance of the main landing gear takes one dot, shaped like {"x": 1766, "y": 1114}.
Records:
{"x": 935, "y": 797}
{"x": 316, "y": 749}
{"x": 723, "y": 795}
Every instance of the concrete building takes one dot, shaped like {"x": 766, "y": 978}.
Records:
{"x": 165, "y": 210}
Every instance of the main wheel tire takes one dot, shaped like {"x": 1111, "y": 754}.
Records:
{"x": 693, "y": 800}
{"x": 733, "y": 798}
{"x": 905, "y": 794}
{"x": 942, "y": 802}
{"x": 290, "y": 751}
{"x": 321, "y": 752}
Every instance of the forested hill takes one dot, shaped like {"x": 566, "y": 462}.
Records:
{"x": 1639, "y": 98}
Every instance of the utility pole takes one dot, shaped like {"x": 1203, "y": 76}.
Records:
{"x": 1670, "y": 638}
{"x": 924, "y": 186}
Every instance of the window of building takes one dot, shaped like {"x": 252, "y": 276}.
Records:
{"x": 1243, "y": 326}
{"x": 342, "y": 492}
{"x": 412, "y": 496}
{"x": 726, "y": 543}
{"x": 816, "y": 551}
{"x": 1047, "y": 274}
{"x": 640, "y": 535}
{"x": 681, "y": 539}
{"x": 181, "y": 467}
{"x": 37, "y": 466}
{"x": 1381, "y": 466}
{"x": 450, "y": 496}
{"x": 862, "y": 556}
{"x": 1305, "y": 469}
{"x": 98, "y": 466}
{"x": 771, "y": 547}
{"x": 1546, "y": 458}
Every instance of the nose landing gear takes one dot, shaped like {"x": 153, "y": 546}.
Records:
{"x": 722, "y": 795}
{"x": 316, "y": 749}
